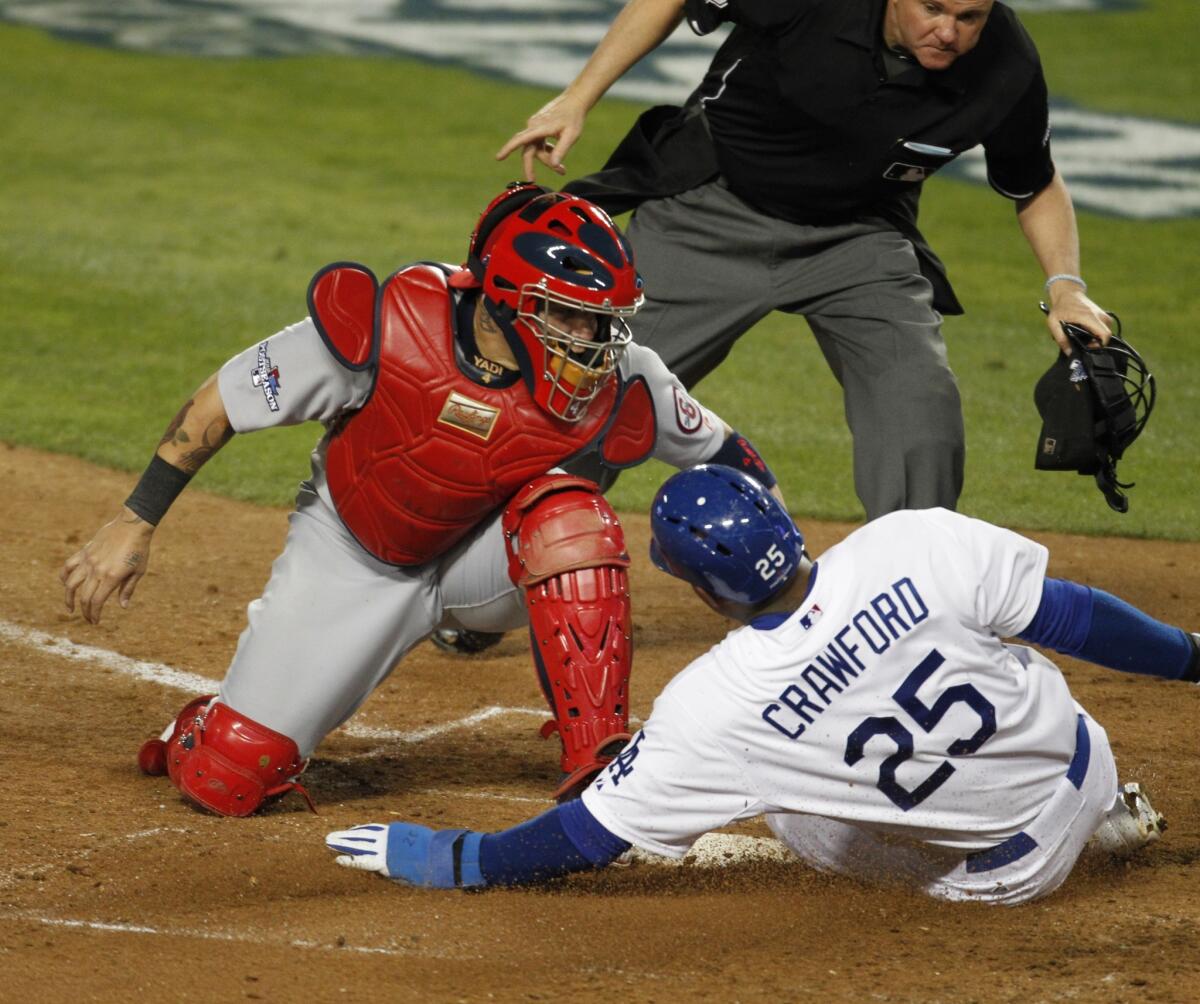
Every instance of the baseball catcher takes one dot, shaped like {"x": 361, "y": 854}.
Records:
{"x": 450, "y": 396}
{"x": 868, "y": 707}
{"x": 1094, "y": 403}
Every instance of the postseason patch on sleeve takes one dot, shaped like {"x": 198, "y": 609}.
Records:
{"x": 265, "y": 376}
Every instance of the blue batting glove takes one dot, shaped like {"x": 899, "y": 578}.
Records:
{"x": 410, "y": 853}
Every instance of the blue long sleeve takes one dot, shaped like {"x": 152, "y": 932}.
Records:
{"x": 1097, "y": 626}
{"x": 565, "y": 839}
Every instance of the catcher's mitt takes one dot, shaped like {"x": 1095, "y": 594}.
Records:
{"x": 1093, "y": 404}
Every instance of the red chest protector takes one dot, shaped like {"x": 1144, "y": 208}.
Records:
{"x": 432, "y": 452}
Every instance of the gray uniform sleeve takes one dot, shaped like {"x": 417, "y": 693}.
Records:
{"x": 287, "y": 379}
{"x": 687, "y": 432}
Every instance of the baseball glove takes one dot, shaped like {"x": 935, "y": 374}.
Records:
{"x": 1094, "y": 404}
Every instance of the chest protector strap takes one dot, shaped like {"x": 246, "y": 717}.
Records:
{"x": 567, "y": 550}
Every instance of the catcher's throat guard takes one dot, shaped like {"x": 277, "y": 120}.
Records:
{"x": 567, "y": 551}
{"x": 1093, "y": 403}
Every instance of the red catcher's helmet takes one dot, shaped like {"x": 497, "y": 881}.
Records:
{"x": 535, "y": 250}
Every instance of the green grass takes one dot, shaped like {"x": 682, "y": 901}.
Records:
{"x": 157, "y": 214}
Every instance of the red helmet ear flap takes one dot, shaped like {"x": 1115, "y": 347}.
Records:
{"x": 515, "y": 197}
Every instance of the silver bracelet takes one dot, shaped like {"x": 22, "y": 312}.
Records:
{"x": 1066, "y": 276}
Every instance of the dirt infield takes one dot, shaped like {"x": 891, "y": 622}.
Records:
{"x": 111, "y": 889}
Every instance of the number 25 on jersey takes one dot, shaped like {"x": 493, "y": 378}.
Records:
{"x": 926, "y": 717}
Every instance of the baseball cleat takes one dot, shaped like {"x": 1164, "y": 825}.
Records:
{"x": 463, "y": 642}
{"x": 1131, "y": 823}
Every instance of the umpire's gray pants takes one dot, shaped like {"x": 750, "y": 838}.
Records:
{"x": 714, "y": 267}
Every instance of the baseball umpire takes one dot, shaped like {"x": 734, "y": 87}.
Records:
{"x": 790, "y": 179}
{"x": 449, "y": 396}
{"x": 869, "y": 708}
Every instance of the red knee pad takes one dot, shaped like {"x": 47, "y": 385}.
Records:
{"x": 226, "y": 762}
{"x": 567, "y": 549}
{"x": 557, "y": 523}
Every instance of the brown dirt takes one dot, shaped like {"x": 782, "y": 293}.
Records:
{"x": 112, "y": 889}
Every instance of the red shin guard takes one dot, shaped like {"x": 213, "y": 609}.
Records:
{"x": 567, "y": 550}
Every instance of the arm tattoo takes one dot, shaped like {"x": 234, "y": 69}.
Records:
{"x": 133, "y": 559}
{"x": 175, "y": 433}
{"x": 218, "y": 433}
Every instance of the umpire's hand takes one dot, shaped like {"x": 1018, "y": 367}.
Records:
{"x": 548, "y": 134}
{"x": 1070, "y": 304}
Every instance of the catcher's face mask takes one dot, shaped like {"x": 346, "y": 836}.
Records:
{"x": 1094, "y": 404}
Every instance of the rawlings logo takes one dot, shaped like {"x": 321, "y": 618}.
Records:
{"x": 474, "y": 417}
{"x": 688, "y": 415}
{"x": 266, "y": 376}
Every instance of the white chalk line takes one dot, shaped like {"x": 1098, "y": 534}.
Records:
{"x": 110, "y": 927}
{"x": 64, "y": 648}
{"x": 498, "y": 796}
{"x": 711, "y": 851}
{"x": 107, "y": 927}
{"x": 194, "y": 683}
{"x": 10, "y": 876}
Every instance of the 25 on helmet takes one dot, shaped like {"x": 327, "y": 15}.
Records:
{"x": 535, "y": 250}
{"x": 722, "y": 531}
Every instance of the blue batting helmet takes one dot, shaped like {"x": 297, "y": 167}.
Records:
{"x": 722, "y": 531}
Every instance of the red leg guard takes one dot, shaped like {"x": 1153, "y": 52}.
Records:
{"x": 567, "y": 549}
{"x": 152, "y": 757}
{"x": 224, "y": 761}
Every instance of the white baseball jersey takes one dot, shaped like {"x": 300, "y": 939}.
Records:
{"x": 887, "y": 700}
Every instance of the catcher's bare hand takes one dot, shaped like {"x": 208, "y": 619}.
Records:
{"x": 113, "y": 561}
{"x": 1070, "y": 303}
{"x": 548, "y": 135}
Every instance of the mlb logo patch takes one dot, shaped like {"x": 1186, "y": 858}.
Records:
{"x": 810, "y": 618}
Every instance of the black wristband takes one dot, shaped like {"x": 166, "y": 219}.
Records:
{"x": 159, "y": 486}
{"x": 737, "y": 452}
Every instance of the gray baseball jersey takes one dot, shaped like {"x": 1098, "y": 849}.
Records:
{"x": 333, "y": 621}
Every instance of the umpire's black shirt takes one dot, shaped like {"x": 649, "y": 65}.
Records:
{"x": 809, "y": 118}
{"x": 813, "y": 121}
